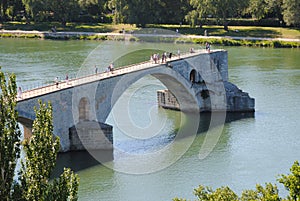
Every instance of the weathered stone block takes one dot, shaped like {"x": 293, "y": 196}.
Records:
{"x": 91, "y": 135}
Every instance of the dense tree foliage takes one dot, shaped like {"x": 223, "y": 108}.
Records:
{"x": 9, "y": 134}
{"x": 40, "y": 153}
{"x": 291, "y": 14}
{"x": 60, "y": 8}
{"x": 140, "y": 12}
{"x": 268, "y": 193}
{"x": 257, "y": 8}
{"x": 260, "y": 9}
{"x": 292, "y": 182}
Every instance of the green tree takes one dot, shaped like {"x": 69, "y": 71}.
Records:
{"x": 221, "y": 194}
{"x": 201, "y": 9}
{"x": 260, "y": 9}
{"x": 119, "y": 9}
{"x": 291, "y": 14}
{"x": 9, "y": 134}
{"x": 60, "y": 10}
{"x": 225, "y": 9}
{"x": 220, "y": 9}
{"x": 292, "y": 182}
{"x": 3, "y": 8}
{"x": 64, "y": 10}
{"x": 193, "y": 18}
{"x": 15, "y": 7}
{"x": 41, "y": 151}
{"x": 142, "y": 12}
{"x": 274, "y": 8}
{"x": 257, "y": 8}
{"x": 40, "y": 154}
{"x": 268, "y": 193}
{"x": 172, "y": 12}
{"x": 92, "y": 7}
{"x": 36, "y": 10}
{"x": 65, "y": 188}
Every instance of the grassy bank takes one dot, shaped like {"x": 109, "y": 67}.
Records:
{"x": 248, "y": 43}
{"x": 240, "y": 31}
{"x": 213, "y": 41}
{"x": 76, "y": 27}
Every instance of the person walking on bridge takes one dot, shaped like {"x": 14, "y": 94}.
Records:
{"x": 96, "y": 70}
{"x": 111, "y": 66}
{"x": 20, "y": 93}
{"x": 178, "y": 53}
{"x": 67, "y": 79}
{"x": 56, "y": 82}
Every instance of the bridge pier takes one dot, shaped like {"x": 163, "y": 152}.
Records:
{"x": 236, "y": 100}
{"x": 91, "y": 135}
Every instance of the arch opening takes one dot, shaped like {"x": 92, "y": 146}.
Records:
{"x": 193, "y": 76}
{"x": 128, "y": 111}
{"x": 165, "y": 129}
{"x": 84, "y": 109}
{"x": 25, "y": 126}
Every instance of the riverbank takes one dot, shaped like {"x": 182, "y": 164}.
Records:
{"x": 137, "y": 36}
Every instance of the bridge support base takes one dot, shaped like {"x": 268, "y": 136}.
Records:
{"x": 91, "y": 135}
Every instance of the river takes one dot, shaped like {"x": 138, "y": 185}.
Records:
{"x": 250, "y": 150}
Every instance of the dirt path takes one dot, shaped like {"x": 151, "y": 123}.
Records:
{"x": 68, "y": 34}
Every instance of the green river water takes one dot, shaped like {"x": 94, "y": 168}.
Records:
{"x": 250, "y": 150}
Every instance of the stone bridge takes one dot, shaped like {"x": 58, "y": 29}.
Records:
{"x": 198, "y": 80}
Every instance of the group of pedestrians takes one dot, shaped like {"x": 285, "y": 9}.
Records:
{"x": 109, "y": 68}
{"x": 56, "y": 81}
{"x": 155, "y": 58}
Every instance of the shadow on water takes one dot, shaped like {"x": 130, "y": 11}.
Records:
{"x": 206, "y": 119}
{"x": 80, "y": 160}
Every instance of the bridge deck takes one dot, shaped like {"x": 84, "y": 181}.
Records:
{"x": 35, "y": 92}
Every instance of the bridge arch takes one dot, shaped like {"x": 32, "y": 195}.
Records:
{"x": 171, "y": 79}
{"x": 178, "y": 84}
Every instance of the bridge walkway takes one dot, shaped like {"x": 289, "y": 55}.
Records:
{"x": 39, "y": 91}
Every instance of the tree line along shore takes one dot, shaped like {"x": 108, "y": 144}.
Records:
{"x": 249, "y": 18}
{"x": 278, "y": 13}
